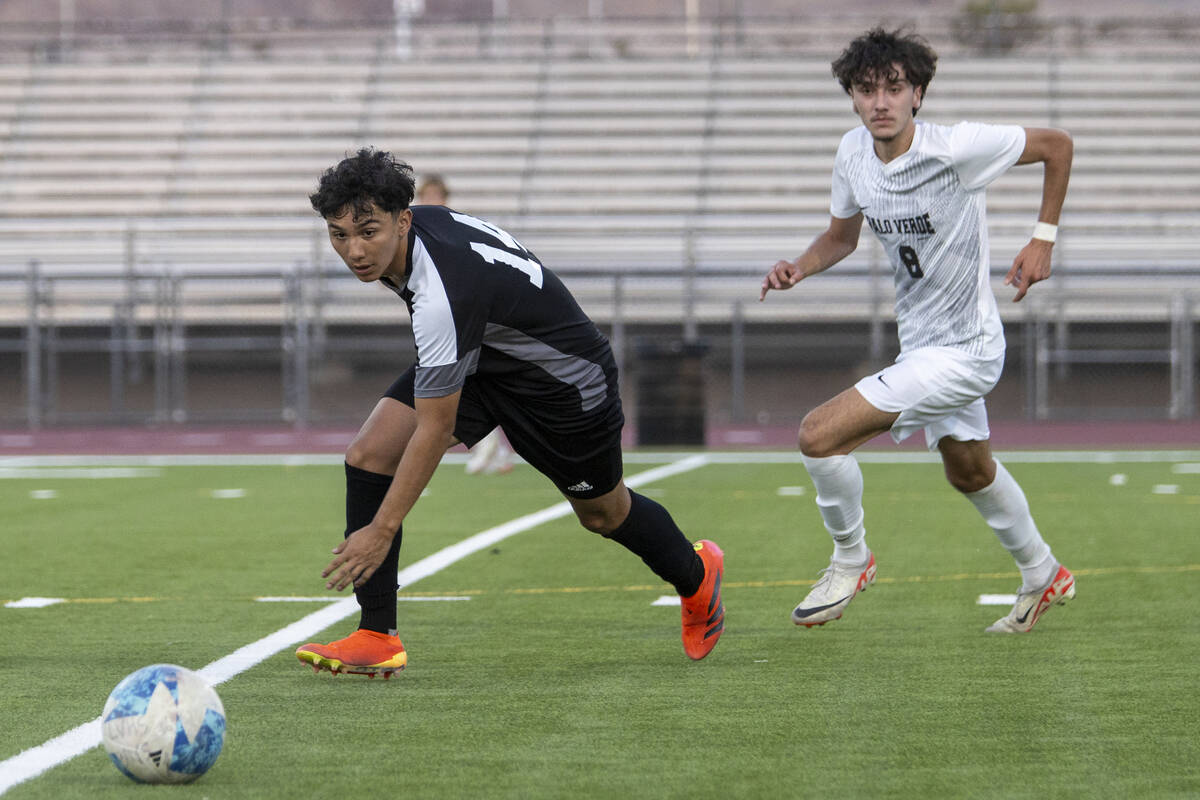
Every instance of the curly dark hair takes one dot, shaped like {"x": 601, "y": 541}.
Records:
{"x": 876, "y": 53}
{"x": 368, "y": 177}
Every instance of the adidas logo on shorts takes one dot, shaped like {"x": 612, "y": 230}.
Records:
{"x": 582, "y": 486}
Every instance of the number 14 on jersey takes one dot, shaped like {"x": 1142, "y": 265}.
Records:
{"x": 495, "y": 255}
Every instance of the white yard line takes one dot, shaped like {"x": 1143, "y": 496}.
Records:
{"x": 36, "y": 760}
{"x": 73, "y": 473}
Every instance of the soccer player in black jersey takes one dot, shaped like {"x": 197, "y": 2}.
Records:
{"x": 500, "y": 342}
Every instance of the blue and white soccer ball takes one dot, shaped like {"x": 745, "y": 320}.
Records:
{"x": 163, "y": 724}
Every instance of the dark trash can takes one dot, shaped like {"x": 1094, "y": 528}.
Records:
{"x": 670, "y": 384}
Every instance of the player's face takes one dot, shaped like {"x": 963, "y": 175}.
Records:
{"x": 372, "y": 244}
{"x": 886, "y": 106}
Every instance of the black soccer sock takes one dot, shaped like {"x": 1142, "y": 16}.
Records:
{"x": 650, "y": 532}
{"x": 377, "y": 596}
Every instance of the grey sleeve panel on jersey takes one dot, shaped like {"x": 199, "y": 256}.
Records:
{"x": 446, "y": 379}
{"x": 586, "y": 376}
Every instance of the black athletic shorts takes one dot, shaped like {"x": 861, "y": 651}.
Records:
{"x": 586, "y": 463}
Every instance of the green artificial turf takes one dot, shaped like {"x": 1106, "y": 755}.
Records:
{"x": 559, "y": 678}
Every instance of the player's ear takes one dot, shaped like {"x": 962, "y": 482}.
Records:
{"x": 918, "y": 96}
{"x": 403, "y": 221}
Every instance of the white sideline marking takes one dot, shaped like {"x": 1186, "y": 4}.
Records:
{"x": 790, "y": 491}
{"x": 43, "y": 494}
{"x": 1186, "y": 469}
{"x": 36, "y": 760}
{"x": 1118, "y": 479}
{"x": 228, "y": 494}
{"x": 34, "y": 602}
{"x": 93, "y": 473}
{"x": 668, "y": 600}
{"x": 1165, "y": 488}
{"x": 996, "y": 599}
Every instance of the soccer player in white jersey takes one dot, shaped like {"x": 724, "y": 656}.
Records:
{"x": 920, "y": 188}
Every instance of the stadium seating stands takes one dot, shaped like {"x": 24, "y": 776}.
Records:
{"x": 691, "y": 157}
{"x": 721, "y": 160}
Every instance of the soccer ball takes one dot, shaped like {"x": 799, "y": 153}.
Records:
{"x": 163, "y": 724}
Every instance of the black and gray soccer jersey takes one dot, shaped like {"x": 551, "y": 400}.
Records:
{"x": 483, "y": 305}
{"x": 927, "y": 208}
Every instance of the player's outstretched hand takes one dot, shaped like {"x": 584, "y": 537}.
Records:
{"x": 1031, "y": 265}
{"x": 358, "y": 556}
{"x": 784, "y": 275}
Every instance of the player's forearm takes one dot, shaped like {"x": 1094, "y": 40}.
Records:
{"x": 421, "y": 458}
{"x": 825, "y": 251}
{"x": 1056, "y": 150}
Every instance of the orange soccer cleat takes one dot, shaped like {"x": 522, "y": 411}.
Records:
{"x": 363, "y": 652}
{"x": 704, "y": 613}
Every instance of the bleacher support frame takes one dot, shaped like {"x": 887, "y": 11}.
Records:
{"x": 168, "y": 315}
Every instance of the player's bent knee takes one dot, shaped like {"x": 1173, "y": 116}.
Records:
{"x": 969, "y": 481}
{"x": 365, "y": 457}
{"x": 598, "y": 522}
{"x": 969, "y": 468}
{"x": 812, "y": 442}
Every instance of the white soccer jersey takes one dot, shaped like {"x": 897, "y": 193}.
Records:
{"x": 927, "y": 207}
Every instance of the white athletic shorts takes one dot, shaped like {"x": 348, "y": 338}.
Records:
{"x": 940, "y": 389}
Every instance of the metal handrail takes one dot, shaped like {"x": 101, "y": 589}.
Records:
{"x": 168, "y": 314}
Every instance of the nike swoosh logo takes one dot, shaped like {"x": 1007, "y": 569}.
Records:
{"x": 808, "y": 612}
{"x": 881, "y": 380}
{"x": 1021, "y": 619}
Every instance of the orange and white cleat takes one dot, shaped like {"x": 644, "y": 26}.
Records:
{"x": 704, "y": 613}
{"x": 831, "y": 594}
{"x": 1030, "y": 606}
{"x": 363, "y": 652}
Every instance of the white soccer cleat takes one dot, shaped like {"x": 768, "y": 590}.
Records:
{"x": 491, "y": 455}
{"x": 1031, "y": 605}
{"x": 833, "y": 592}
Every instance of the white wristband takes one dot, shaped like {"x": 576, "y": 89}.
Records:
{"x": 1045, "y": 231}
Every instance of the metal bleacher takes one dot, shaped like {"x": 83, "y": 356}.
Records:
{"x": 664, "y": 167}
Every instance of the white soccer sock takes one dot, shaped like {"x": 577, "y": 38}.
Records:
{"x": 839, "y": 485}
{"x": 1005, "y": 509}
